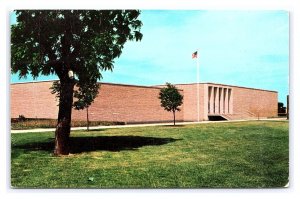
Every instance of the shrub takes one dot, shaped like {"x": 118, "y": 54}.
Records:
{"x": 21, "y": 118}
{"x": 31, "y": 123}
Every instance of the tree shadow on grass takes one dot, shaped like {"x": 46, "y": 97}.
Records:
{"x": 100, "y": 143}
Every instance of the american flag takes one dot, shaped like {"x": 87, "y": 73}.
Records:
{"x": 194, "y": 55}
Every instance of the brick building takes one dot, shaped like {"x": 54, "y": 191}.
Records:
{"x": 140, "y": 104}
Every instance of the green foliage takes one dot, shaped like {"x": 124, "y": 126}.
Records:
{"x": 251, "y": 154}
{"x": 85, "y": 94}
{"x": 55, "y": 89}
{"x": 170, "y": 98}
{"x": 84, "y": 41}
{"x": 281, "y": 108}
{"x": 22, "y": 118}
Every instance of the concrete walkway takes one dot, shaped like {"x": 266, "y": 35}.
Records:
{"x": 137, "y": 125}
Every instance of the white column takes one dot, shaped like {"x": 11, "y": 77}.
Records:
{"x": 211, "y": 100}
{"x": 220, "y": 99}
{"x": 226, "y": 100}
{"x": 205, "y": 105}
{"x": 208, "y": 99}
{"x": 217, "y": 102}
{"x": 214, "y": 102}
{"x": 230, "y": 101}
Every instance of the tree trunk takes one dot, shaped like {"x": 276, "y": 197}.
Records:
{"x": 87, "y": 118}
{"x": 62, "y": 133}
{"x": 174, "y": 117}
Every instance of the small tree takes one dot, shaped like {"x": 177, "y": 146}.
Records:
{"x": 170, "y": 98}
{"x": 85, "y": 95}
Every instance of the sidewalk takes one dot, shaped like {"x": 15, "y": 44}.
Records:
{"x": 137, "y": 125}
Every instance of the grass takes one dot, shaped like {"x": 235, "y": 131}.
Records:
{"x": 216, "y": 155}
{"x": 30, "y": 123}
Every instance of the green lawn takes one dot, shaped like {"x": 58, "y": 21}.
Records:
{"x": 218, "y": 155}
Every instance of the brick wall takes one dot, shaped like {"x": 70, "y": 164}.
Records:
{"x": 115, "y": 102}
{"x": 126, "y": 103}
{"x": 190, "y": 101}
{"x": 33, "y": 100}
{"x": 256, "y": 102}
{"x": 259, "y": 102}
{"x": 137, "y": 104}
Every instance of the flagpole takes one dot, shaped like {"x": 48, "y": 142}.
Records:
{"x": 198, "y": 82}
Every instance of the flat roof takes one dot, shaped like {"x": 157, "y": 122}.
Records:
{"x": 131, "y": 85}
{"x": 154, "y": 86}
{"x": 106, "y": 83}
{"x": 40, "y": 81}
{"x": 228, "y": 86}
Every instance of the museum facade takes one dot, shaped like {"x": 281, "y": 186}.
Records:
{"x": 140, "y": 104}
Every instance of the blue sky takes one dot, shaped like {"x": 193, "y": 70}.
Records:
{"x": 244, "y": 48}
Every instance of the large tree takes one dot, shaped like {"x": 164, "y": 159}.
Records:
{"x": 170, "y": 99}
{"x": 76, "y": 45}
